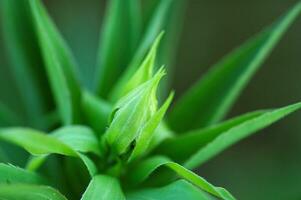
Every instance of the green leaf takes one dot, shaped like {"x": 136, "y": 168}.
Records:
{"x": 236, "y": 133}
{"x": 7, "y": 116}
{"x": 180, "y": 147}
{"x": 119, "y": 36}
{"x": 103, "y": 187}
{"x": 210, "y": 98}
{"x": 11, "y": 175}
{"x": 26, "y": 60}
{"x": 148, "y": 131}
{"x": 27, "y": 139}
{"x": 143, "y": 74}
{"x": 143, "y": 170}
{"x": 29, "y": 192}
{"x": 60, "y": 64}
{"x": 80, "y": 138}
{"x": 96, "y": 112}
{"x": 154, "y": 27}
{"x": 131, "y": 113}
{"x": 177, "y": 190}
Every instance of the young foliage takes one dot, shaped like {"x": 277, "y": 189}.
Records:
{"x": 106, "y": 144}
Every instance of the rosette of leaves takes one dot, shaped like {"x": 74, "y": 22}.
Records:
{"x": 113, "y": 141}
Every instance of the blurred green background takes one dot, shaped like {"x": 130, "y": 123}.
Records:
{"x": 263, "y": 167}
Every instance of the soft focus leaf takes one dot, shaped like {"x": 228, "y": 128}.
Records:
{"x": 96, "y": 111}
{"x": 60, "y": 65}
{"x": 103, "y": 187}
{"x": 180, "y": 147}
{"x": 27, "y": 65}
{"x": 177, "y": 190}
{"x": 236, "y": 133}
{"x": 27, "y": 139}
{"x": 153, "y": 29}
{"x": 147, "y": 167}
{"x": 119, "y": 36}
{"x": 29, "y": 192}
{"x": 210, "y": 98}
{"x": 79, "y": 138}
{"x": 143, "y": 74}
{"x": 7, "y": 116}
{"x": 10, "y": 174}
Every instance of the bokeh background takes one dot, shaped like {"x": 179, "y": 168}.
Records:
{"x": 266, "y": 166}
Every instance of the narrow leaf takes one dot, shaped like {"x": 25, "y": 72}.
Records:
{"x": 154, "y": 27}
{"x": 117, "y": 26}
{"x": 25, "y": 57}
{"x": 177, "y": 190}
{"x": 180, "y": 147}
{"x": 209, "y": 99}
{"x": 29, "y": 192}
{"x": 60, "y": 64}
{"x": 236, "y": 133}
{"x": 147, "y": 167}
{"x": 103, "y": 187}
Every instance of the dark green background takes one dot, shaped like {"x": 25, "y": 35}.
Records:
{"x": 265, "y": 166}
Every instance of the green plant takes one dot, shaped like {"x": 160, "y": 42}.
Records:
{"x": 111, "y": 142}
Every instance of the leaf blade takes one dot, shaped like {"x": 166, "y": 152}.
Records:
{"x": 213, "y": 95}
{"x": 147, "y": 167}
{"x": 177, "y": 190}
{"x": 109, "y": 187}
{"x": 60, "y": 64}
{"x": 29, "y": 192}
{"x": 237, "y": 133}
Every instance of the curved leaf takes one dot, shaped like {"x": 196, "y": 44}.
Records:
{"x": 210, "y": 98}
{"x": 29, "y": 192}
{"x": 236, "y": 133}
{"x": 180, "y": 147}
{"x": 177, "y": 190}
{"x": 103, "y": 187}
{"x": 60, "y": 64}
{"x": 11, "y": 175}
{"x": 79, "y": 138}
{"x": 40, "y": 144}
{"x": 147, "y": 167}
